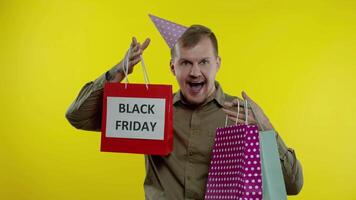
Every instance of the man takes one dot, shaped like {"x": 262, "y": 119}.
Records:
{"x": 200, "y": 106}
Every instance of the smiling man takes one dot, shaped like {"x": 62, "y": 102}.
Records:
{"x": 194, "y": 63}
{"x": 200, "y": 106}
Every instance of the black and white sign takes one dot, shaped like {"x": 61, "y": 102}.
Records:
{"x": 137, "y": 118}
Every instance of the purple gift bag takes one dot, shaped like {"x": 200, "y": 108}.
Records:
{"x": 235, "y": 166}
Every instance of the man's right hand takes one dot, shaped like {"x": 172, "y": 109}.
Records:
{"x": 133, "y": 56}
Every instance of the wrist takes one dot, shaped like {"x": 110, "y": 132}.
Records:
{"x": 119, "y": 76}
{"x": 115, "y": 74}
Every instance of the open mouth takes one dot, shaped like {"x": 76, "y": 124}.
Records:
{"x": 195, "y": 87}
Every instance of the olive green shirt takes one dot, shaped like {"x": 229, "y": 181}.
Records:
{"x": 183, "y": 173}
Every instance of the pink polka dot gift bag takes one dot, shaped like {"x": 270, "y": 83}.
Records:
{"x": 235, "y": 168}
{"x": 238, "y": 167}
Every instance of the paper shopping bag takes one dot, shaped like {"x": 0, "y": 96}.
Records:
{"x": 272, "y": 177}
{"x": 235, "y": 167}
{"x": 137, "y": 118}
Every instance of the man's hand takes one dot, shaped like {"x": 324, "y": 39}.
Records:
{"x": 134, "y": 53}
{"x": 132, "y": 57}
{"x": 262, "y": 120}
{"x": 230, "y": 108}
{"x": 257, "y": 115}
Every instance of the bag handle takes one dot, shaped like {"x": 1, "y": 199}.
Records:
{"x": 246, "y": 112}
{"x": 126, "y": 69}
{"x": 257, "y": 119}
{"x": 238, "y": 112}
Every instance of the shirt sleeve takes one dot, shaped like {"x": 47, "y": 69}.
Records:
{"x": 291, "y": 168}
{"x": 86, "y": 110}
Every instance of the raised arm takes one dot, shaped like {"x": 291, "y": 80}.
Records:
{"x": 86, "y": 110}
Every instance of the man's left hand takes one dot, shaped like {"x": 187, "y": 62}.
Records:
{"x": 256, "y": 117}
{"x": 261, "y": 118}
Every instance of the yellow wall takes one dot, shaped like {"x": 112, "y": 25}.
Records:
{"x": 295, "y": 58}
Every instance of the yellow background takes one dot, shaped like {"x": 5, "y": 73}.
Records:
{"x": 295, "y": 58}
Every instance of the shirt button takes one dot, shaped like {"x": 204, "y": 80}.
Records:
{"x": 191, "y": 153}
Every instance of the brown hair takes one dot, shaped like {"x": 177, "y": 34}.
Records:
{"x": 193, "y": 35}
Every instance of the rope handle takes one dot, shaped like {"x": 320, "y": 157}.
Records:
{"x": 238, "y": 112}
{"x": 126, "y": 69}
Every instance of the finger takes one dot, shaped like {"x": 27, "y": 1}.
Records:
{"x": 134, "y": 62}
{"x": 133, "y": 43}
{"x": 234, "y": 103}
{"x": 251, "y": 120}
{"x": 250, "y": 116}
{"x": 145, "y": 44}
{"x": 228, "y": 104}
{"x": 250, "y": 113}
{"x": 231, "y": 104}
{"x": 134, "y": 47}
{"x": 230, "y": 112}
{"x": 132, "y": 52}
{"x": 134, "y": 55}
{"x": 239, "y": 121}
{"x": 241, "y": 116}
{"x": 241, "y": 110}
{"x": 246, "y": 97}
{"x": 255, "y": 108}
{"x": 242, "y": 121}
{"x": 237, "y": 102}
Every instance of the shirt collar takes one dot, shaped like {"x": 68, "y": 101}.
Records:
{"x": 218, "y": 96}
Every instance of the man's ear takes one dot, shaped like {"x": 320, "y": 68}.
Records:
{"x": 218, "y": 62}
{"x": 171, "y": 64}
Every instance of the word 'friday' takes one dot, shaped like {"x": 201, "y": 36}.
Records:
{"x": 135, "y": 126}
{"x": 139, "y": 109}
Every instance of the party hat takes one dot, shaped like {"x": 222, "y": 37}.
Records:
{"x": 170, "y": 31}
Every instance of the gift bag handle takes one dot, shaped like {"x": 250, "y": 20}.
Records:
{"x": 238, "y": 112}
{"x": 257, "y": 119}
{"x": 126, "y": 69}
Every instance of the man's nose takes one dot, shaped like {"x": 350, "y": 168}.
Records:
{"x": 195, "y": 70}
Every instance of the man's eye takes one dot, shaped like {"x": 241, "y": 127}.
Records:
{"x": 185, "y": 63}
{"x": 204, "y": 62}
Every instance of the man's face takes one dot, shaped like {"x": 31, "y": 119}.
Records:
{"x": 195, "y": 69}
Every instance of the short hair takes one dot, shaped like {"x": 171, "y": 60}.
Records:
{"x": 193, "y": 35}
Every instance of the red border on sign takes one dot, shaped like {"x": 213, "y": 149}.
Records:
{"x": 141, "y": 146}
